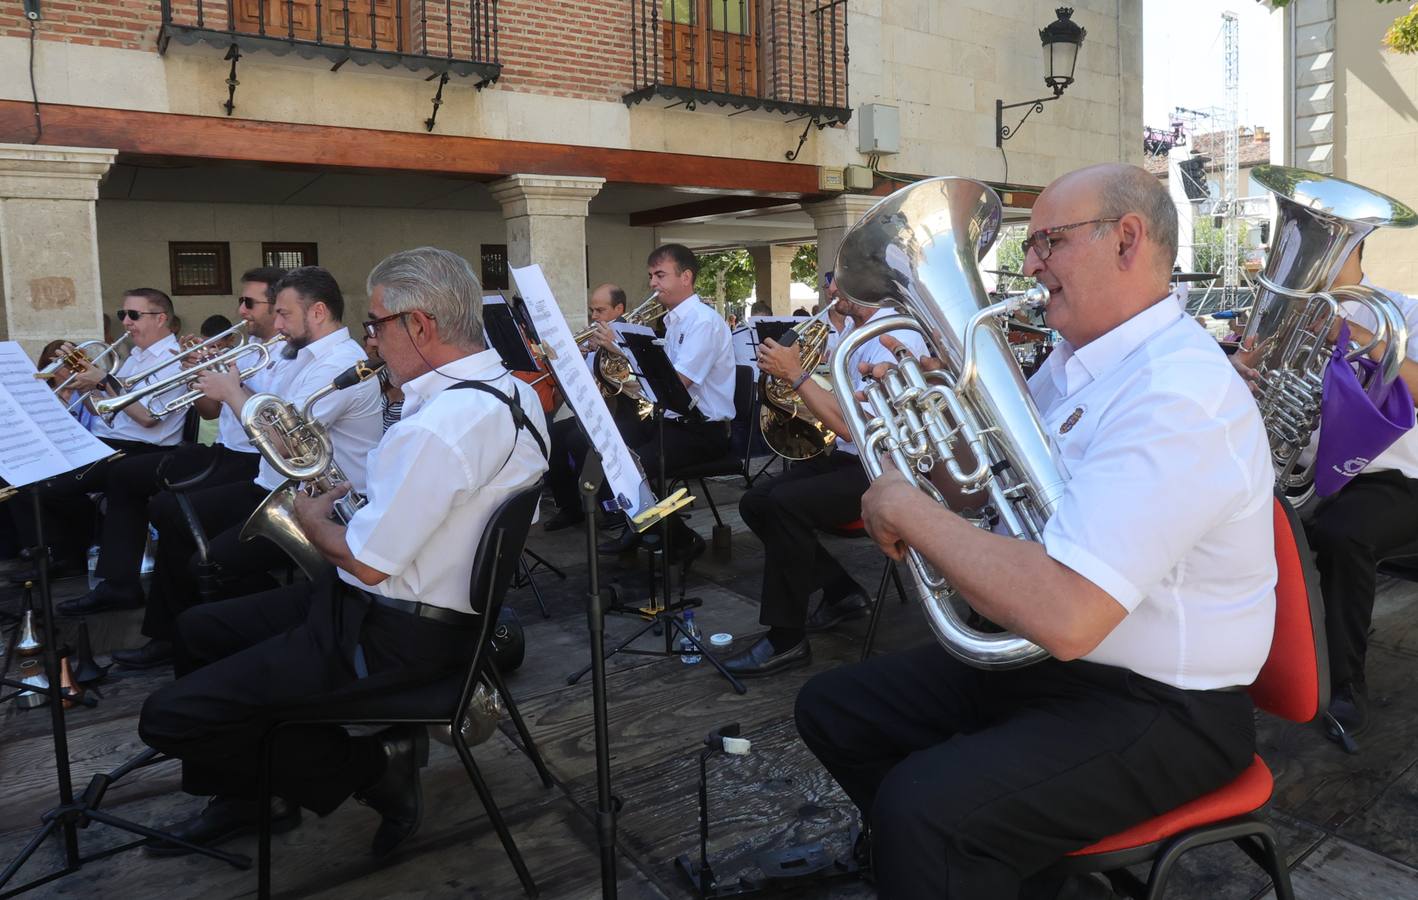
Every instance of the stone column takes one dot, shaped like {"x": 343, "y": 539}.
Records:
{"x": 773, "y": 274}
{"x": 49, "y": 243}
{"x": 546, "y": 224}
{"x": 832, "y": 218}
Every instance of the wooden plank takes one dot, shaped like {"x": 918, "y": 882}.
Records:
{"x": 222, "y": 139}
{"x": 701, "y": 209}
{"x": 1390, "y": 823}
{"x": 1343, "y": 871}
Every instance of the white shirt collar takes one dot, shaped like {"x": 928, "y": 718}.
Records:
{"x": 485, "y": 365}
{"x": 1112, "y": 347}
{"x": 683, "y": 309}
{"x": 318, "y": 348}
{"x": 163, "y": 343}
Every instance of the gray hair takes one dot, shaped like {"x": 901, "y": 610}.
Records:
{"x": 1134, "y": 190}
{"x": 437, "y": 282}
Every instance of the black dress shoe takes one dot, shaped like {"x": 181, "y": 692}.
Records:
{"x": 629, "y": 539}
{"x": 761, "y": 660}
{"x": 153, "y": 653}
{"x": 222, "y": 819}
{"x": 565, "y": 518}
{"x": 103, "y": 598}
{"x": 1349, "y": 706}
{"x": 397, "y": 795}
{"x": 686, "y": 548}
{"x": 829, "y": 615}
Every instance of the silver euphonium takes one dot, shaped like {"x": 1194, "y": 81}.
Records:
{"x": 1319, "y": 222}
{"x": 297, "y": 445}
{"x": 972, "y": 420}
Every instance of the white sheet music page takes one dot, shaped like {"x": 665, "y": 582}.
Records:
{"x": 38, "y": 437}
{"x": 628, "y": 485}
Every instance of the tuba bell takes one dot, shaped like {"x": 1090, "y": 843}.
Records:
{"x": 1319, "y": 222}
{"x": 973, "y": 420}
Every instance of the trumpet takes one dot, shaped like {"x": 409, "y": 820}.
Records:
{"x": 297, "y": 445}
{"x": 78, "y": 358}
{"x": 127, "y": 382}
{"x": 111, "y": 406}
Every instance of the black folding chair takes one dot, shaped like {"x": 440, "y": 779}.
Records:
{"x": 743, "y": 434}
{"x": 442, "y": 703}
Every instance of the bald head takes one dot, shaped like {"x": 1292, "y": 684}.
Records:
{"x": 607, "y": 303}
{"x": 1118, "y": 190}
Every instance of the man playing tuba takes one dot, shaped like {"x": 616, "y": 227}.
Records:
{"x": 1152, "y": 587}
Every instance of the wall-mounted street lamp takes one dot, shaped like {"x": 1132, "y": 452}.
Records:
{"x": 1061, "y": 41}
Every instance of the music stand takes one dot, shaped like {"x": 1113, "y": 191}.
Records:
{"x": 661, "y": 385}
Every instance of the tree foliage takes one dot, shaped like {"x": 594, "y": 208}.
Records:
{"x": 725, "y": 278}
{"x": 1402, "y": 35}
{"x": 804, "y": 267}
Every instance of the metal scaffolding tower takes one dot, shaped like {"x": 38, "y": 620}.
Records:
{"x": 1230, "y": 170}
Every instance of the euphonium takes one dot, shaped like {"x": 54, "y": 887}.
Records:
{"x": 1319, "y": 222}
{"x": 918, "y": 250}
{"x": 787, "y": 425}
{"x": 297, "y": 445}
{"x": 613, "y": 369}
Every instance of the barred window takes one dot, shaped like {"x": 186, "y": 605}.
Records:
{"x": 200, "y": 268}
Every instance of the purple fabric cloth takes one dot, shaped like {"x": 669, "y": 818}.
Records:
{"x": 1356, "y": 424}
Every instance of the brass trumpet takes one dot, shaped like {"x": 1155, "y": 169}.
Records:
{"x": 128, "y": 381}
{"x": 78, "y": 359}
{"x": 111, "y": 406}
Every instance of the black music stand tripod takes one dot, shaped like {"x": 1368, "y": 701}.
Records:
{"x": 669, "y": 393}
{"x": 74, "y": 813}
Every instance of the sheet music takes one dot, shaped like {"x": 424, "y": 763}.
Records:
{"x": 38, "y": 437}
{"x": 628, "y": 485}
{"x": 753, "y": 336}
{"x": 621, "y": 329}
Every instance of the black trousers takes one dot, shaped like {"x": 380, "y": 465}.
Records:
{"x": 133, "y": 481}
{"x": 975, "y": 780}
{"x": 786, "y": 513}
{"x": 1351, "y": 532}
{"x": 685, "y": 444}
{"x": 240, "y": 659}
{"x": 64, "y": 501}
{"x": 244, "y": 566}
{"x": 567, "y": 450}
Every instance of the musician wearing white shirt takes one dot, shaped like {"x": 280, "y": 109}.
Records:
{"x": 788, "y": 512}
{"x": 700, "y": 347}
{"x": 137, "y": 479}
{"x": 398, "y": 613}
{"x": 1152, "y": 588}
{"x": 309, "y": 310}
{"x": 146, "y": 315}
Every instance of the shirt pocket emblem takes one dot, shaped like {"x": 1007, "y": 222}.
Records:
{"x": 1072, "y": 419}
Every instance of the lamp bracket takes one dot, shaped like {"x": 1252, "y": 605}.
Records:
{"x": 1004, "y": 132}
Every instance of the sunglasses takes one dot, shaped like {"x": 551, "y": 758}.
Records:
{"x": 249, "y": 303}
{"x": 134, "y": 314}
{"x": 1042, "y": 241}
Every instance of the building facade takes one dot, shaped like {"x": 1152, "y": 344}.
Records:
{"x": 176, "y": 143}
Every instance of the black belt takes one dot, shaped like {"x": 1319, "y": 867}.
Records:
{"x": 427, "y": 611}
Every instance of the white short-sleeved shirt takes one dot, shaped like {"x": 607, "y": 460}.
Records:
{"x": 230, "y": 434}
{"x": 1167, "y": 506}
{"x": 354, "y": 417}
{"x": 437, "y": 477}
{"x": 699, "y": 344}
{"x": 871, "y": 353}
{"x": 168, "y": 430}
{"x": 1403, "y": 453}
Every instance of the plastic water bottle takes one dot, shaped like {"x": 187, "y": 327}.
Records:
{"x": 688, "y": 652}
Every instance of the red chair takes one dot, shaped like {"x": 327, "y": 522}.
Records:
{"x": 1294, "y": 683}
{"x": 858, "y": 529}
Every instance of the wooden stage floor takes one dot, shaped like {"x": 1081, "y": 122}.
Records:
{"x": 1349, "y": 824}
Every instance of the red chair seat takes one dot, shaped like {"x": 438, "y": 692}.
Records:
{"x": 854, "y": 528}
{"x": 1248, "y": 793}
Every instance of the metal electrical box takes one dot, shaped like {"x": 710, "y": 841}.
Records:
{"x": 878, "y": 129}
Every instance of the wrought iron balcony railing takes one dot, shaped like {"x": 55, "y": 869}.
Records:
{"x": 444, "y": 37}
{"x": 784, "y": 56}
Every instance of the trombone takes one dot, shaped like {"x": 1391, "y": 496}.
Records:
{"x": 128, "y": 381}
{"x": 111, "y": 406}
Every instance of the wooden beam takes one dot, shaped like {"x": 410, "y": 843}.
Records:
{"x": 220, "y": 139}
{"x": 684, "y": 213}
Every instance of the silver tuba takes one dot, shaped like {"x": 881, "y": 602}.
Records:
{"x": 298, "y": 446}
{"x": 919, "y": 250}
{"x": 1319, "y": 221}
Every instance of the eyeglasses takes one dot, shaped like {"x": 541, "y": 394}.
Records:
{"x": 371, "y": 328}
{"x": 134, "y": 314}
{"x": 1042, "y": 241}
{"x": 250, "y": 303}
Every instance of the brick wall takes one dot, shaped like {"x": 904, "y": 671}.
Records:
{"x": 126, "y": 24}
